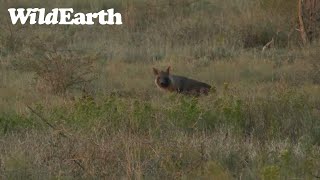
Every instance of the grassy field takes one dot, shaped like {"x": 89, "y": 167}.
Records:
{"x": 79, "y": 102}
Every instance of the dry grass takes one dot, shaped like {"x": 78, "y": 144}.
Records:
{"x": 261, "y": 123}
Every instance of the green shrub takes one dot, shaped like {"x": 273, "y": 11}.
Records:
{"x": 13, "y": 122}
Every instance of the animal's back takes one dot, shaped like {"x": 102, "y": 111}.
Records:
{"x": 180, "y": 84}
{"x": 186, "y": 84}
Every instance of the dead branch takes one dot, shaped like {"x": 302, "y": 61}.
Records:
{"x": 302, "y": 29}
{"x": 269, "y": 45}
{"x": 54, "y": 128}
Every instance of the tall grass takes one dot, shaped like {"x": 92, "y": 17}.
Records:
{"x": 112, "y": 122}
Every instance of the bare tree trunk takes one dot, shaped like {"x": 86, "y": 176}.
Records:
{"x": 309, "y": 20}
{"x": 303, "y": 33}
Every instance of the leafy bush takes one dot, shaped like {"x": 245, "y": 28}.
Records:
{"x": 56, "y": 70}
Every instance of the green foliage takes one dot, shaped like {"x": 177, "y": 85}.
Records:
{"x": 271, "y": 172}
{"x": 280, "y": 116}
{"x": 262, "y": 123}
{"x": 185, "y": 113}
{"x": 10, "y": 122}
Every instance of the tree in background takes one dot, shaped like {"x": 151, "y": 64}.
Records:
{"x": 309, "y": 20}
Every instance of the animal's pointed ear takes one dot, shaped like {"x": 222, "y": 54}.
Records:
{"x": 168, "y": 69}
{"x": 155, "y": 71}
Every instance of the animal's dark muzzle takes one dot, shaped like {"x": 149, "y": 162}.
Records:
{"x": 164, "y": 82}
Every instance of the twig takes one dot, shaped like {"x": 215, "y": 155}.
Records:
{"x": 43, "y": 119}
{"x": 54, "y": 128}
{"x": 268, "y": 45}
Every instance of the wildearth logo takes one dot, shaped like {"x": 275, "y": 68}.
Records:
{"x": 63, "y": 16}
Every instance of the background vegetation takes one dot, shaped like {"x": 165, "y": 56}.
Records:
{"x": 79, "y": 102}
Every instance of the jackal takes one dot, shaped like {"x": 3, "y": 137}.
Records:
{"x": 164, "y": 80}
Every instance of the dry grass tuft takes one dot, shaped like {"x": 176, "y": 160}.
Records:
{"x": 94, "y": 84}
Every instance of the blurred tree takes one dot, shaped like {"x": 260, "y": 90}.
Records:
{"x": 309, "y": 19}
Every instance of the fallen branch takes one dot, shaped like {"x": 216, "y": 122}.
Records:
{"x": 54, "y": 128}
{"x": 268, "y": 45}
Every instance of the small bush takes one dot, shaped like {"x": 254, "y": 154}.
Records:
{"x": 56, "y": 70}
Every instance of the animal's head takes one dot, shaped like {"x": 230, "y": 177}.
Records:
{"x": 162, "y": 77}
